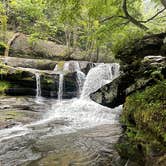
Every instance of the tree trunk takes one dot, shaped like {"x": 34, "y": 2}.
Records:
{"x": 75, "y": 37}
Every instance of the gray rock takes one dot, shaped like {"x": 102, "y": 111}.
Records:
{"x": 41, "y": 64}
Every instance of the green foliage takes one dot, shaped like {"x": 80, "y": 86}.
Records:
{"x": 95, "y": 26}
{"x": 4, "y": 86}
{"x": 3, "y": 24}
{"x": 125, "y": 37}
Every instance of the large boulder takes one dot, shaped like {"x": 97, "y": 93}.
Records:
{"x": 23, "y": 47}
{"x": 149, "y": 45}
{"x": 135, "y": 77}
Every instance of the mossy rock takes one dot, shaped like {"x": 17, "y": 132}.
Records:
{"x": 4, "y": 85}
{"x": 144, "y": 116}
{"x": 138, "y": 49}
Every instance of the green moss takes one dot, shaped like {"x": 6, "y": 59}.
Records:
{"x": 144, "y": 115}
{"x": 61, "y": 65}
{"x": 4, "y": 86}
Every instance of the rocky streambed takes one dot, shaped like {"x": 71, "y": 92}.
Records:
{"x": 50, "y": 131}
{"x": 44, "y": 132}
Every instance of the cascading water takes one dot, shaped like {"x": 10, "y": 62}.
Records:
{"x": 60, "y": 84}
{"x": 99, "y": 76}
{"x": 55, "y": 68}
{"x": 83, "y": 112}
{"x": 69, "y": 117}
{"x": 38, "y": 85}
{"x": 60, "y": 89}
{"x": 75, "y": 67}
{"x": 80, "y": 76}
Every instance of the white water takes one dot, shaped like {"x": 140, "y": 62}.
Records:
{"x": 38, "y": 85}
{"x": 74, "y": 66}
{"x": 60, "y": 89}
{"x": 76, "y": 113}
{"x": 55, "y": 68}
{"x": 99, "y": 76}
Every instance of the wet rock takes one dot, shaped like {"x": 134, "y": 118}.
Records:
{"x": 135, "y": 77}
{"x": 113, "y": 94}
{"x": 20, "y": 110}
{"x": 23, "y": 82}
{"x": 20, "y": 91}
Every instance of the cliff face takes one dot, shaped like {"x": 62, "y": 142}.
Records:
{"x": 141, "y": 88}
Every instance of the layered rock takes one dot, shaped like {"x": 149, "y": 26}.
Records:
{"x": 149, "y": 45}
{"x": 23, "y": 82}
{"x": 41, "y": 64}
{"x": 20, "y": 73}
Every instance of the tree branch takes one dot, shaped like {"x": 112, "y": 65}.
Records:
{"x": 132, "y": 19}
{"x": 158, "y": 13}
{"x": 111, "y": 17}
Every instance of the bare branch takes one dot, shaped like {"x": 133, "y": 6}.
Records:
{"x": 132, "y": 19}
{"x": 111, "y": 17}
{"x": 158, "y": 13}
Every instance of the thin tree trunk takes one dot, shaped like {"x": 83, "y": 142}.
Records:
{"x": 75, "y": 37}
{"x": 97, "y": 53}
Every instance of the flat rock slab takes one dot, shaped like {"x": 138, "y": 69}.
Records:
{"x": 20, "y": 110}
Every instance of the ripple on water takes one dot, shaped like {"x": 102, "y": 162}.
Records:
{"x": 72, "y": 133}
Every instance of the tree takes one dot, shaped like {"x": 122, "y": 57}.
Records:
{"x": 92, "y": 26}
{"x": 3, "y": 23}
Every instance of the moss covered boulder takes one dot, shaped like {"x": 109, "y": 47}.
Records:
{"x": 144, "y": 118}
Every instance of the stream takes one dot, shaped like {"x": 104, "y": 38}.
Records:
{"x": 66, "y": 132}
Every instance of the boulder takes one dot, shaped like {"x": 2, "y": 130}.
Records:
{"x": 135, "y": 77}
{"x": 23, "y": 47}
{"x": 41, "y": 64}
{"x": 113, "y": 94}
{"x": 149, "y": 45}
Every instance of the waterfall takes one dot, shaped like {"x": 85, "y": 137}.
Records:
{"x": 38, "y": 85}
{"x": 80, "y": 80}
{"x": 74, "y": 66}
{"x": 55, "y": 68}
{"x": 80, "y": 76}
{"x": 96, "y": 78}
{"x": 74, "y": 114}
{"x": 99, "y": 76}
{"x": 60, "y": 89}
